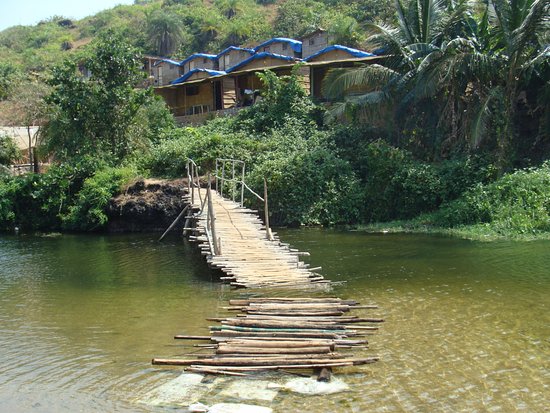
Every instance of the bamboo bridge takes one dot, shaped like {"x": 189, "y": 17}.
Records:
{"x": 266, "y": 333}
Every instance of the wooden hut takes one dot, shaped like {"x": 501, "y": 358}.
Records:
{"x": 165, "y": 71}
{"x": 232, "y": 56}
{"x": 334, "y": 56}
{"x": 315, "y": 41}
{"x": 246, "y": 80}
{"x": 198, "y": 93}
{"x": 199, "y": 61}
{"x": 281, "y": 46}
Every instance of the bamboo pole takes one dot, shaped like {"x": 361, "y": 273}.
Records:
{"x": 212, "y": 216}
{"x": 174, "y": 222}
{"x": 266, "y": 207}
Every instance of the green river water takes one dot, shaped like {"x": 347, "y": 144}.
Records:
{"x": 467, "y": 323}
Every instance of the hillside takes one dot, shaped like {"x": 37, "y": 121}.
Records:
{"x": 177, "y": 28}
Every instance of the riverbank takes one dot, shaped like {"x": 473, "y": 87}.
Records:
{"x": 480, "y": 232}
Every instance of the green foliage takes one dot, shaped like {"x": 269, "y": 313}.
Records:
{"x": 165, "y": 32}
{"x": 8, "y": 150}
{"x": 297, "y": 17}
{"x": 88, "y": 211}
{"x": 9, "y": 75}
{"x": 283, "y": 98}
{"x": 68, "y": 196}
{"x": 94, "y": 116}
{"x": 38, "y": 201}
{"x": 518, "y": 202}
{"x": 203, "y": 145}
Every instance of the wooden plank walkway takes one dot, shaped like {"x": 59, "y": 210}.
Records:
{"x": 281, "y": 334}
{"x": 268, "y": 333}
{"x": 245, "y": 254}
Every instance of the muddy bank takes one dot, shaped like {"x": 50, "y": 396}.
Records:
{"x": 147, "y": 205}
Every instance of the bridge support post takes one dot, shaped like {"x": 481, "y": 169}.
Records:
{"x": 266, "y": 208}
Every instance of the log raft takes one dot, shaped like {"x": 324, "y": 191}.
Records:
{"x": 281, "y": 340}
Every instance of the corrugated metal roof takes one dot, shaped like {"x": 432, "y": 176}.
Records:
{"x": 295, "y": 44}
{"x": 353, "y": 52}
{"x": 251, "y": 51}
{"x": 197, "y": 55}
{"x": 186, "y": 76}
{"x": 261, "y": 56}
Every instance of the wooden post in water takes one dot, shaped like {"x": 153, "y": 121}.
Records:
{"x": 266, "y": 207}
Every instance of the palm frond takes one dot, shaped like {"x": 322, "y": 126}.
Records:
{"x": 404, "y": 24}
{"x": 534, "y": 22}
{"x": 338, "y": 82}
{"x": 480, "y": 123}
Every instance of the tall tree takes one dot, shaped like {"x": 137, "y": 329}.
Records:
{"x": 165, "y": 32}
{"x": 93, "y": 116}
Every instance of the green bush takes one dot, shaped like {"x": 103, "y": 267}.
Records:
{"x": 518, "y": 202}
{"x": 8, "y": 150}
{"x": 88, "y": 211}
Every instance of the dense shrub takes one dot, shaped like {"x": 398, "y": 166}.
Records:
{"x": 88, "y": 211}
{"x": 66, "y": 196}
{"x": 518, "y": 202}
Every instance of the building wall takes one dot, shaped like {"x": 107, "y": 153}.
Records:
{"x": 200, "y": 63}
{"x": 281, "y": 48}
{"x": 264, "y": 63}
{"x": 231, "y": 58}
{"x": 188, "y": 104}
{"x": 332, "y": 55}
{"x": 229, "y": 92}
{"x": 315, "y": 42}
{"x": 164, "y": 73}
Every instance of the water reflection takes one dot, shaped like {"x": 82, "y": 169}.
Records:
{"x": 467, "y": 323}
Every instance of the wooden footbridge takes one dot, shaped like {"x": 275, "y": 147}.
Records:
{"x": 266, "y": 333}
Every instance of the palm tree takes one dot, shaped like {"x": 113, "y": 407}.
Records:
{"x": 489, "y": 68}
{"x": 165, "y": 32}
{"x": 422, "y": 27}
{"x": 468, "y": 67}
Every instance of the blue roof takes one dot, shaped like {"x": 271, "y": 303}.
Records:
{"x": 196, "y": 55}
{"x": 251, "y": 51}
{"x": 295, "y": 44}
{"x": 353, "y": 52}
{"x": 172, "y": 62}
{"x": 260, "y": 56}
{"x": 186, "y": 76}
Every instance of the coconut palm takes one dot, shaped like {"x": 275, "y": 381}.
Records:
{"x": 422, "y": 27}
{"x": 165, "y": 31}
{"x": 488, "y": 70}
{"x": 467, "y": 67}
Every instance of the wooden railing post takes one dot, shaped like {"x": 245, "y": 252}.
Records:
{"x": 212, "y": 219}
{"x": 233, "y": 184}
{"x": 223, "y": 177}
{"x": 242, "y": 186}
{"x": 266, "y": 207}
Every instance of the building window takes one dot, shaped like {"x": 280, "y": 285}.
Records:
{"x": 311, "y": 42}
{"x": 285, "y": 46}
{"x": 191, "y": 90}
{"x": 266, "y": 49}
{"x": 204, "y": 61}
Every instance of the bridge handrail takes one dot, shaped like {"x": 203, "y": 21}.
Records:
{"x": 192, "y": 173}
{"x": 221, "y": 178}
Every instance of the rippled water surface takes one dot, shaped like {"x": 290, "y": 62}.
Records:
{"x": 467, "y": 323}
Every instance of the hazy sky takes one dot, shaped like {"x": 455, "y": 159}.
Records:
{"x": 29, "y": 12}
